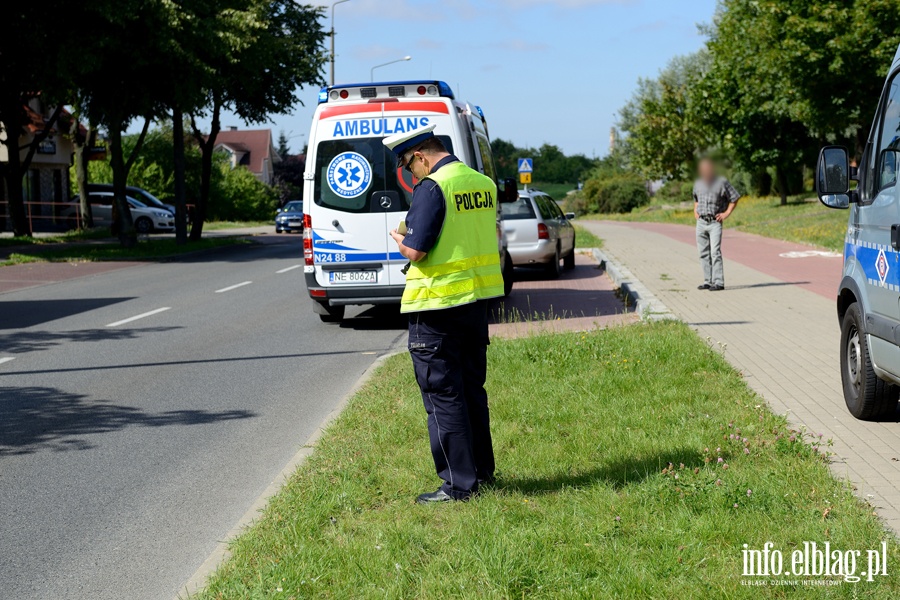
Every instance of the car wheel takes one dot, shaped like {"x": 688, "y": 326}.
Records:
{"x": 509, "y": 275}
{"x": 143, "y": 225}
{"x": 553, "y": 268}
{"x": 569, "y": 260}
{"x": 329, "y": 314}
{"x": 868, "y": 397}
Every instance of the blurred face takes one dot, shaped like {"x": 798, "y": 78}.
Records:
{"x": 706, "y": 170}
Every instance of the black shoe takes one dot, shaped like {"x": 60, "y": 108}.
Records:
{"x": 716, "y": 288}
{"x": 705, "y": 286}
{"x": 429, "y": 497}
{"x": 487, "y": 482}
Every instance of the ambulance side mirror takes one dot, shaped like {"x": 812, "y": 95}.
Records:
{"x": 510, "y": 191}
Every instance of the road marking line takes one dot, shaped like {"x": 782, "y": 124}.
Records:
{"x": 233, "y": 287}
{"x": 6, "y": 359}
{"x": 288, "y": 269}
{"x": 140, "y": 316}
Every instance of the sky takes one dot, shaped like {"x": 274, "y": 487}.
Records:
{"x": 554, "y": 71}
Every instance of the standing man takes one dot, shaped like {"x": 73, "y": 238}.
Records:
{"x": 451, "y": 243}
{"x": 714, "y": 201}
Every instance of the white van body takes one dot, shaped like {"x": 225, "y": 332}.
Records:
{"x": 355, "y": 191}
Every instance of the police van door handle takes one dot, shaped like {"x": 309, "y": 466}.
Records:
{"x": 895, "y": 236}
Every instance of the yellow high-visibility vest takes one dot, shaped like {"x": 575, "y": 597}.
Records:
{"x": 464, "y": 264}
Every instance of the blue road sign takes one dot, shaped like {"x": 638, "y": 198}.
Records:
{"x": 525, "y": 165}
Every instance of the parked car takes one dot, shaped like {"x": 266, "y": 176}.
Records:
{"x": 135, "y": 192}
{"x": 538, "y": 233}
{"x": 290, "y": 218}
{"x": 146, "y": 219}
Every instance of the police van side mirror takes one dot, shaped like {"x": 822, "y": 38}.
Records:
{"x": 833, "y": 177}
{"x": 510, "y": 192}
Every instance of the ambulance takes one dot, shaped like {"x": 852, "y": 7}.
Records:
{"x": 355, "y": 191}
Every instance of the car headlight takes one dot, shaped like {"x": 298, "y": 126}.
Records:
{"x": 162, "y": 214}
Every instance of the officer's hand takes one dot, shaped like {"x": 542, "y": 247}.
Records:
{"x": 396, "y": 236}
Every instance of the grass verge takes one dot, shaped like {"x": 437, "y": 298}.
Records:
{"x": 610, "y": 485}
{"x": 98, "y": 233}
{"x": 220, "y": 225}
{"x": 586, "y": 239}
{"x": 802, "y": 220}
{"x": 145, "y": 250}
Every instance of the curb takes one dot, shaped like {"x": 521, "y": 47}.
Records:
{"x": 647, "y": 306}
{"x": 197, "y": 581}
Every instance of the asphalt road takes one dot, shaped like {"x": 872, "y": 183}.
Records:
{"x": 128, "y": 448}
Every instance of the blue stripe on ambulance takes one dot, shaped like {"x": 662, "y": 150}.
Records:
{"x": 352, "y": 257}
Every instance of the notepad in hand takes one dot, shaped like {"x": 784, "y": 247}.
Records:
{"x": 401, "y": 228}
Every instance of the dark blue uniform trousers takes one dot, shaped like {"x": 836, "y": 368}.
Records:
{"x": 449, "y": 354}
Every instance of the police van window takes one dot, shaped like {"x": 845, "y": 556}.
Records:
{"x": 889, "y": 139}
{"x": 487, "y": 159}
{"x": 521, "y": 209}
{"x": 349, "y": 171}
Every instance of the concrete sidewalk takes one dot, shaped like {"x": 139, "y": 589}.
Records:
{"x": 776, "y": 323}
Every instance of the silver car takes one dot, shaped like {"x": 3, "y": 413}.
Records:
{"x": 538, "y": 233}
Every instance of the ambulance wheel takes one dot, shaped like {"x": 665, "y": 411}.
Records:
{"x": 569, "y": 260}
{"x": 868, "y": 398}
{"x": 553, "y": 268}
{"x": 329, "y": 314}
{"x": 508, "y": 275}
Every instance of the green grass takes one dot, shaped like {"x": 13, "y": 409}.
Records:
{"x": 557, "y": 191}
{"x": 609, "y": 486}
{"x": 97, "y": 233}
{"x": 586, "y": 239}
{"x": 145, "y": 250}
{"x": 801, "y": 220}
{"x": 219, "y": 225}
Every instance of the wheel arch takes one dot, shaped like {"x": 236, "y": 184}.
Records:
{"x": 849, "y": 293}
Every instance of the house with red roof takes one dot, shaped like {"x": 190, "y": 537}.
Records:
{"x": 250, "y": 148}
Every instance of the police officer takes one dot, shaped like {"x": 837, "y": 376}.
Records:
{"x": 451, "y": 243}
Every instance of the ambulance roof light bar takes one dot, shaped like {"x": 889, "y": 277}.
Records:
{"x": 368, "y": 90}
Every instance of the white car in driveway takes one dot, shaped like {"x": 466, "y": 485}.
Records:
{"x": 538, "y": 233}
{"x": 147, "y": 219}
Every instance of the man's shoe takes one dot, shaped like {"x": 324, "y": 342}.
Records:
{"x": 487, "y": 482}
{"x": 716, "y": 288}
{"x": 429, "y": 497}
{"x": 705, "y": 286}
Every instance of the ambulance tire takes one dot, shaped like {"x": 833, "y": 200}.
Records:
{"x": 329, "y": 314}
{"x": 868, "y": 398}
{"x": 553, "y": 268}
{"x": 508, "y": 275}
{"x": 569, "y": 260}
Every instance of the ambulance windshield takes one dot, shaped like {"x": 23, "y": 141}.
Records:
{"x": 349, "y": 172}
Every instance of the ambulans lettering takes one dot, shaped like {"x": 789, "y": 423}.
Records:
{"x": 473, "y": 201}
{"x": 367, "y": 127}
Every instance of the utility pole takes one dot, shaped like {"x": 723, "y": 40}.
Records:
{"x": 332, "y": 36}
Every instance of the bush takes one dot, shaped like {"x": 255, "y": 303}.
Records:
{"x": 674, "y": 192}
{"x": 237, "y": 195}
{"x": 618, "y": 193}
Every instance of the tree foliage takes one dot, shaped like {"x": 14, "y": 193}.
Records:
{"x": 551, "y": 165}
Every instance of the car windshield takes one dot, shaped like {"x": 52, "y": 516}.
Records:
{"x": 520, "y": 209}
{"x": 136, "y": 203}
{"x": 150, "y": 199}
{"x": 295, "y": 206}
{"x": 349, "y": 171}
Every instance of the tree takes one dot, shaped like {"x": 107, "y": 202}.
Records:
{"x": 123, "y": 62}
{"x": 666, "y": 131}
{"x": 259, "y": 72}
{"x": 35, "y": 54}
{"x": 283, "y": 150}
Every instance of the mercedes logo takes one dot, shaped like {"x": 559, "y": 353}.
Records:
{"x": 385, "y": 202}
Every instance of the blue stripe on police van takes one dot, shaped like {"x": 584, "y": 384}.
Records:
{"x": 866, "y": 254}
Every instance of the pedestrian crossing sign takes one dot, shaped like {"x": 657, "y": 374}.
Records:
{"x": 525, "y": 165}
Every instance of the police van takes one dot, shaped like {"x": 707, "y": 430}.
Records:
{"x": 356, "y": 191}
{"x": 868, "y": 301}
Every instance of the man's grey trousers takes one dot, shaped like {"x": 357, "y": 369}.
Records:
{"x": 709, "y": 243}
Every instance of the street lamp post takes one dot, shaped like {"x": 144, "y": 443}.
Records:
{"x": 372, "y": 70}
{"x": 332, "y": 36}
